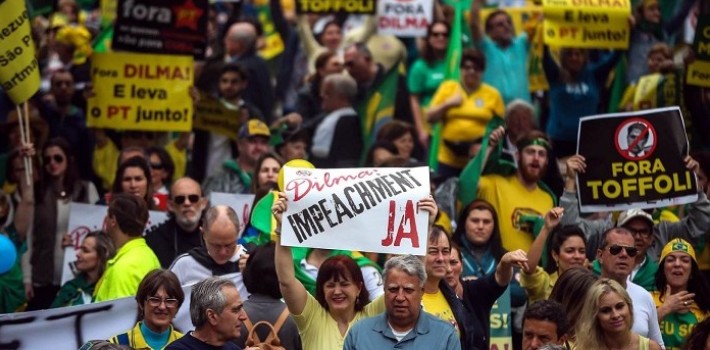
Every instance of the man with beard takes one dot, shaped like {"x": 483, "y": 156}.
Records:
{"x": 181, "y": 232}
{"x": 616, "y": 256}
{"x": 252, "y": 143}
{"x": 520, "y": 198}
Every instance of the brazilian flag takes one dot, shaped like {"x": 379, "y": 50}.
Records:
{"x": 452, "y": 72}
{"x": 378, "y": 108}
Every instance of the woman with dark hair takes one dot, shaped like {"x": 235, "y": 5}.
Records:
{"x": 453, "y": 275}
{"x": 566, "y": 249}
{"x": 464, "y": 107}
{"x": 379, "y": 152}
{"x": 426, "y": 74}
{"x": 133, "y": 176}
{"x": 682, "y": 294}
{"x": 606, "y": 318}
{"x": 575, "y": 91}
{"x": 699, "y": 338}
{"x": 341, "y": 298}
{"x": 571, "y": 287}
{"x": 59, "y": 186}
{"x": 91, "y": 258}
{"x": 478, "y": 235}
{"x": 401, "y": 134}
{"x": 308, "y": 100}
{"x": 264, "y": 302}
{"x": 266, "y": 170}
{"x": 161, "y": 169}
{"x": 159, "y": 297}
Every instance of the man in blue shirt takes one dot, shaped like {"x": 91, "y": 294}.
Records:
{"x": 403, "y": 324}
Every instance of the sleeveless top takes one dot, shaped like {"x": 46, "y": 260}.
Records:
{"x": 644, "y": 343}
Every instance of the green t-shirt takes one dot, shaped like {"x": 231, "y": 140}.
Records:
{"x": 423, "y": 79}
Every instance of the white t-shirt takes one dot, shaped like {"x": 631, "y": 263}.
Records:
{"x": 645, "y": 315}
{"x": 397, "y": 334}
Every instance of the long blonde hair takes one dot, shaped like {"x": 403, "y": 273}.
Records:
{"x": 590, "y": 334}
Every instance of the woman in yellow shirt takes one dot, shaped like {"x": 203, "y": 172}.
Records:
{"x": 464, "y": 107}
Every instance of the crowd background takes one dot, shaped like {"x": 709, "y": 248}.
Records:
{"x": 307, "y": 103}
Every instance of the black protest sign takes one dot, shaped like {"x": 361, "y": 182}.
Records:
{"x": 174, "y": 27}
{"x": 335, "y": 6}
{"x": 634, "y": 160}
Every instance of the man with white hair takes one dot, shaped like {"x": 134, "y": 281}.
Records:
{"x": 404, "y": 325}
{"x": 337, "y": 138}
{"x": 217, "y": 312}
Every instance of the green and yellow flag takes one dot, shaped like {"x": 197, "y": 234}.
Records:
{"x": 378, "y": 108}
{"x": 452, "y": 72}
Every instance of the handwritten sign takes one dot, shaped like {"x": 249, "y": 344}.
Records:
{"x": 404, "y": 18}
{"x": 363, "y": 209}
{"x": 19, "y": 69}
{"x": 85, "y": 218}
{"x": 638, "y": 161}
{"x": 602, "y": 24}
{"x": 141, "y": 92}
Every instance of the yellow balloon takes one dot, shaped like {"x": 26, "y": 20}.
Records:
{"x": 294, "y": 163}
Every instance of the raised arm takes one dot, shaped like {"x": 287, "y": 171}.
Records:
{"x": 475, "y": 23}
{"x": 552, "y": 71}
{"x": 294, "y": 293}
{"x": 504, "y": 270}
{"x": 552, "y": 219}
{"x": 697, "y": 220}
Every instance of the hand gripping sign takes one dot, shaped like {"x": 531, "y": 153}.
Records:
{"x": 362, "y": 209}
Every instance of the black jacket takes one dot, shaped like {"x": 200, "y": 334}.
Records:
{"x": 168, "y": 241}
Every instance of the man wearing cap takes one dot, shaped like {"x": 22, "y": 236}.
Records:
{"x": 649, "y": 237}
{"x": 252, "y": 142}
{"x": 520, "y": 199}
{"x": 683, "y": 298}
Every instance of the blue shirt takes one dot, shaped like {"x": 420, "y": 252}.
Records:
{"x": 507, "y": 67}
{"x": 429, "y": 333}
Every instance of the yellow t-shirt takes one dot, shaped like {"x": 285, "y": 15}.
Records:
{"x": 319, "y": 331}
{"x": 436, "y": 304}
{"x": 513, "y": 202}
{"x": 467, "y": 121}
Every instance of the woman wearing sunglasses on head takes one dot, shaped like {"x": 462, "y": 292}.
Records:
{"x": 159, "y": 297}
{"x": 683, "y": 295}
{"x": 161, "y": 169}
{"x": 59, "y": 185}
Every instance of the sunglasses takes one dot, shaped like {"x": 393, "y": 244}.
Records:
{"x": 193, "y": 198}
{"x": 616, "y": 249}
{"x": 169, "y": 302}
{"x": 56, "y": 158}
{"x": 439, "y": 34}
{"x": 156, "y": 166}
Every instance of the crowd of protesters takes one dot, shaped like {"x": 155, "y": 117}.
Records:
{"x": 636, "y": 279}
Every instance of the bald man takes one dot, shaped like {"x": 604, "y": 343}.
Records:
{"x": 181, "y": 232}
{"x": 219, "y": 256}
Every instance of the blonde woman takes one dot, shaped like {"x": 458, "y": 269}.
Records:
{"x": 606, "y": 319}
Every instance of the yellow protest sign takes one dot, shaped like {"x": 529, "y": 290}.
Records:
{"x": 141, "y": 92}
{"x": 213, "y": 116}
{"x": 699, "y": 71}
{"x": 526, "y": 17}
{"x": 108, "y": 11}
{"x": 19, "y": 69}
{"x": 602, "y": 24}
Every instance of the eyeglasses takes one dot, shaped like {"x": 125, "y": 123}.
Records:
{"x": 643, "y": 232}
{"x": 439, "y": 34}
{"x": 169, "y": 302}
{"x": 616, "y": 249}
{"x": 193, "y": 198}
{"x": 56, "y": 158}
{"x": 156, "y": 166}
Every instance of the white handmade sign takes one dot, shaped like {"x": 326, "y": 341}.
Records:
{"x": 363, "y": 209}
{"x": 404, "y": 18}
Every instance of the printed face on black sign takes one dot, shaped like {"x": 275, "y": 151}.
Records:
{"x": 636, "y": 139}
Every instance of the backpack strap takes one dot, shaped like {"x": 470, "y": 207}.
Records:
{"x": 281, "y": 320}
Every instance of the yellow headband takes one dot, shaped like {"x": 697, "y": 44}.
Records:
{"x": 680, "y": 246}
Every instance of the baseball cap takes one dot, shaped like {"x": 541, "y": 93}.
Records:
{"x": 678, "y": 245}
{"x": 626, "y": 216}
{"x": 254, "y": 127}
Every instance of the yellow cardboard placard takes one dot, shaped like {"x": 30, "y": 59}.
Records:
{"x": 19, "y": 69}
{"x": 141, "y": 92}
{"x": 213, "y": 116}
{"x": 699, "y": 73}
{"x": 598, "y": 24}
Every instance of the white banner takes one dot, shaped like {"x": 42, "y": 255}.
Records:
{"x": 241, "y": 203}
{"x": 68, "y": 328}
{"x": 85, "y": 218}
{"x": 404, "y": 18}
{"x": 362, "y": 209}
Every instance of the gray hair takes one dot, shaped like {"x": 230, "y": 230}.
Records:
{"x": 409, "y": 264}
{"x": 207, "y": 295}
{"x": 519, "y": 104}
{"x": 238, "y": 33}
{"x": 343, "y": 85}
{"x": 215, "y": 212}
